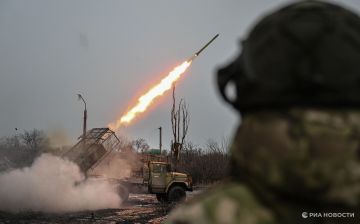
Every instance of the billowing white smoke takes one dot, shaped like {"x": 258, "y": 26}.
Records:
{"x": 53, "y": 184}
{"x": 117, "y": 165}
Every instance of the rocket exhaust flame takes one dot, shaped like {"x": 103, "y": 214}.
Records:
{"x": 158, "y": 90}
{"x": 145, "y": 100}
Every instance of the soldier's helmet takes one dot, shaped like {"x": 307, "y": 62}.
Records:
{"x": 298, "y": 88}
{"x": 305, "y": 54}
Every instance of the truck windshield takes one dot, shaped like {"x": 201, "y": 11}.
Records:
{"x": 160, "y": 168}
{"x": 157, "y": 168}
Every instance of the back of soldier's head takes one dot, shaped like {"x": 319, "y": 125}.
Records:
{"x": 298, "y": 88}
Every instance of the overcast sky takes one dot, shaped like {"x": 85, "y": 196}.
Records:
{"x": 111, "y": 51}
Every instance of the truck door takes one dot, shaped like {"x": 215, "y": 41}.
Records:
{"x": 157, "y": 177}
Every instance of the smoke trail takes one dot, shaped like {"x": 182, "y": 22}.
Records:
{"x": 53, "y": 184}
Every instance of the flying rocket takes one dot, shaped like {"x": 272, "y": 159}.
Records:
{"x": 156, "y": 91}
{"x": 203, "y": 48}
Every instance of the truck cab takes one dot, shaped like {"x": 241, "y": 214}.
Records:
{"x": 168, "y": 185}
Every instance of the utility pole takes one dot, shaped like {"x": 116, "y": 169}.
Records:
{"x": 160, "y": 142}
{"x": 85, "y": 117}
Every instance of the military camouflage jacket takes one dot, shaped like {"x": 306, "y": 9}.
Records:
{"x": 293, "y": 166}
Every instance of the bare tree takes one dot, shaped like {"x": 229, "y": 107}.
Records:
{"x": 12, "y": 141}
{"x": 140, "y": 145}
{"x": 180, "y": 119}
{"x": 215, "y": 147}
{"x": 21, "y": 149}
{"x": 185, "y": 120}
{"x": 206, "y": 164}
{"x": 125, "y": 144}
{"x": 174, "y": 116}
{"x": 34, "y": 140}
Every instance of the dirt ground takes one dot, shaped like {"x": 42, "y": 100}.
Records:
{"x": 140, "y": 208}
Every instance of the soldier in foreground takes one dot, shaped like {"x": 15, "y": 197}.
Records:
{"x": 296, "y": 155}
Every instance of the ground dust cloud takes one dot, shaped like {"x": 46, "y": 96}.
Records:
{"x": 53, "y": 184}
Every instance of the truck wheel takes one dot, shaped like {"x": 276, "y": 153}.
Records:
{"x": 176, "y": 194}
{"x": 123, "y": 193}
{"x": 161, "y": 198}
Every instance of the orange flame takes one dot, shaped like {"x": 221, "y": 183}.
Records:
{"x": 145, "y": 100}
